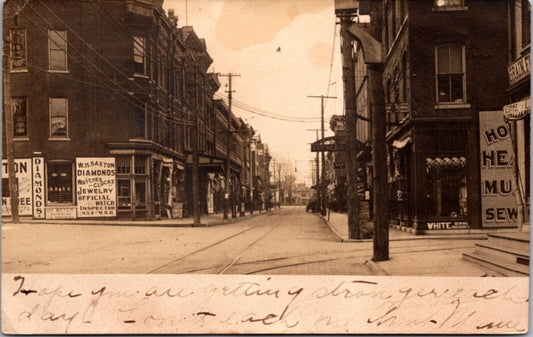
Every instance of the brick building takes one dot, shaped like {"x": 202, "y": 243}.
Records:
{"x": 107, "y": 97}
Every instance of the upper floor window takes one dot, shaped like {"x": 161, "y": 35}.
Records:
{"x": 450, "y": 74}
{"x": 139, "y": 55}
{"x": 58, "y": 118}
{"x": 18, "y": 49}
{"x": 20, "y": 116}
{"x": 526, "y": 23}
{"x": 57, "y": 50}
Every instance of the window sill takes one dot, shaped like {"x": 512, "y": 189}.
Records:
{"x": 19, "y": 71}
{"x": 21, "y": 139}
{"x": 452, "y": 106}
{"x": 58, "y": 71}
{"x": 450, "y": 9}
{"x": 66, "y": 139}
{"x": 141, "y": 76}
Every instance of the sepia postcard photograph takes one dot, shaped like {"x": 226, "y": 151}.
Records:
{"x": 265, "y": 166}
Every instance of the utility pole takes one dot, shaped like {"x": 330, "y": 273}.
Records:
{"x": 8, "y": 122}
{"x": 317, "y": 172}
{"x": 350, "y": 106}
{"x": 195, "y": 182}
{"x": 379, "y": 148}
{"x": 323, "y": 179}
{"x": 227, "y": 168}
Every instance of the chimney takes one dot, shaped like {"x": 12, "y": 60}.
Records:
{"x": 173, "y": 19}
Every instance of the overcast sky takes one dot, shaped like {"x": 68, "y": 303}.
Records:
{"x": 243, "y": 37}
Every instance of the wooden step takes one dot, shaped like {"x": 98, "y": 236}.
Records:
{"x": 496, "y": 264}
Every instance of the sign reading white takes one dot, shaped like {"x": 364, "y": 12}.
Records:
{"x": 23, "y": 176}
{"x": 95, "y": 180}
{"x": 498, "y": 202}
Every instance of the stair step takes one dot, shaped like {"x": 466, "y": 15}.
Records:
{"x": 498, "y": 252}
{"x": 510, "y": 242}
{"x": 495, "y": 264}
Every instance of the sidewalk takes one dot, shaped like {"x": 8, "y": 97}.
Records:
{"x": 338, "y": 222}
{"x": 206, "y": 220}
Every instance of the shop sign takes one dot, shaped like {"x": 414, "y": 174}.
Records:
{"x": 38, "y": 187}
{"x": 23, "y": 175}
{"x": 498, "y": 202}
{"x": 335, "y": 147}
{"x": 517, "y": 110}
{"x": 519, "y": 69}
{"x": 448, "y": 225}
{"x": 61, "y": 212}
{"x": 95, "y": 187}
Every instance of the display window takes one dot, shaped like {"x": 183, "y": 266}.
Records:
{"x": 60, "y": 183}
{"x": 446, "y": 189}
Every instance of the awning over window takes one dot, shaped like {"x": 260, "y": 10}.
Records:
{"x": 445, "y": 163}
{"x": 517, "y": 110}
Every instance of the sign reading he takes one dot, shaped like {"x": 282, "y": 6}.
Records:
{"x": 498, "y": 202}
{"x": 95, "y": 190}
{"x": 23, "y": 176}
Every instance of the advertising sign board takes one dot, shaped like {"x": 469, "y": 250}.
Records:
{"x": 95, "y": 192}
{"x": 498, "y": 201}
{"x": 23, "y": 174}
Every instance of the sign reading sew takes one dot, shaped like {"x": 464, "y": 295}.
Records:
{"x": 95, "y": 181}
{"x": 498, "y": 201}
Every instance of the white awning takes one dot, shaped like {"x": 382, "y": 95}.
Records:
{"x": 400, "y": 144}
{"x": 517, "y": 110}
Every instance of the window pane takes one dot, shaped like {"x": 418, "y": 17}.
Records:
{"x": 140, "y": 193}
{"x": 140, "y": 165}
{"x": 124, "y": 194}
{"x": 20, "y": 116}
{"x": 18, "y": 49}
{"x": 456, "y": 88}
{"x": 58, "y": 117}
{"x": 443, "y": 59}
{"x": 444, "y": 88}
{"x": 57, "y": 46}
{"x": 59, "y": 179}
{"x": 123, "y": 165}
{"x": 139, "y": 55}
{"x": 456, "y": 57}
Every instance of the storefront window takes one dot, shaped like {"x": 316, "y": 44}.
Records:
{"x": 59, "y": 183}
{"x": 446, "y": 189}
{"x": 132, "y": 183}
{"x": 124, "y": 194}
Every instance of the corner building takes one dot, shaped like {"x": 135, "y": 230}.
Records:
{"x": 104, "y": 97}
{"x": 445, "y": 64}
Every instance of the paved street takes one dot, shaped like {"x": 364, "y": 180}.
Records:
{"x": 285, "y": 241}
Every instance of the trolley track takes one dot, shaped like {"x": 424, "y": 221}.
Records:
{"x": 225, "y": 243}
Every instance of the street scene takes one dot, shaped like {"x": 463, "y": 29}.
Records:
{"x": 252, "y": 137}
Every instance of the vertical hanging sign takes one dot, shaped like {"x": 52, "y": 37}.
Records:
{"x": 498, "y": 202}
{"x": 38, "y": 187}
{"x": 95, "y": 187}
